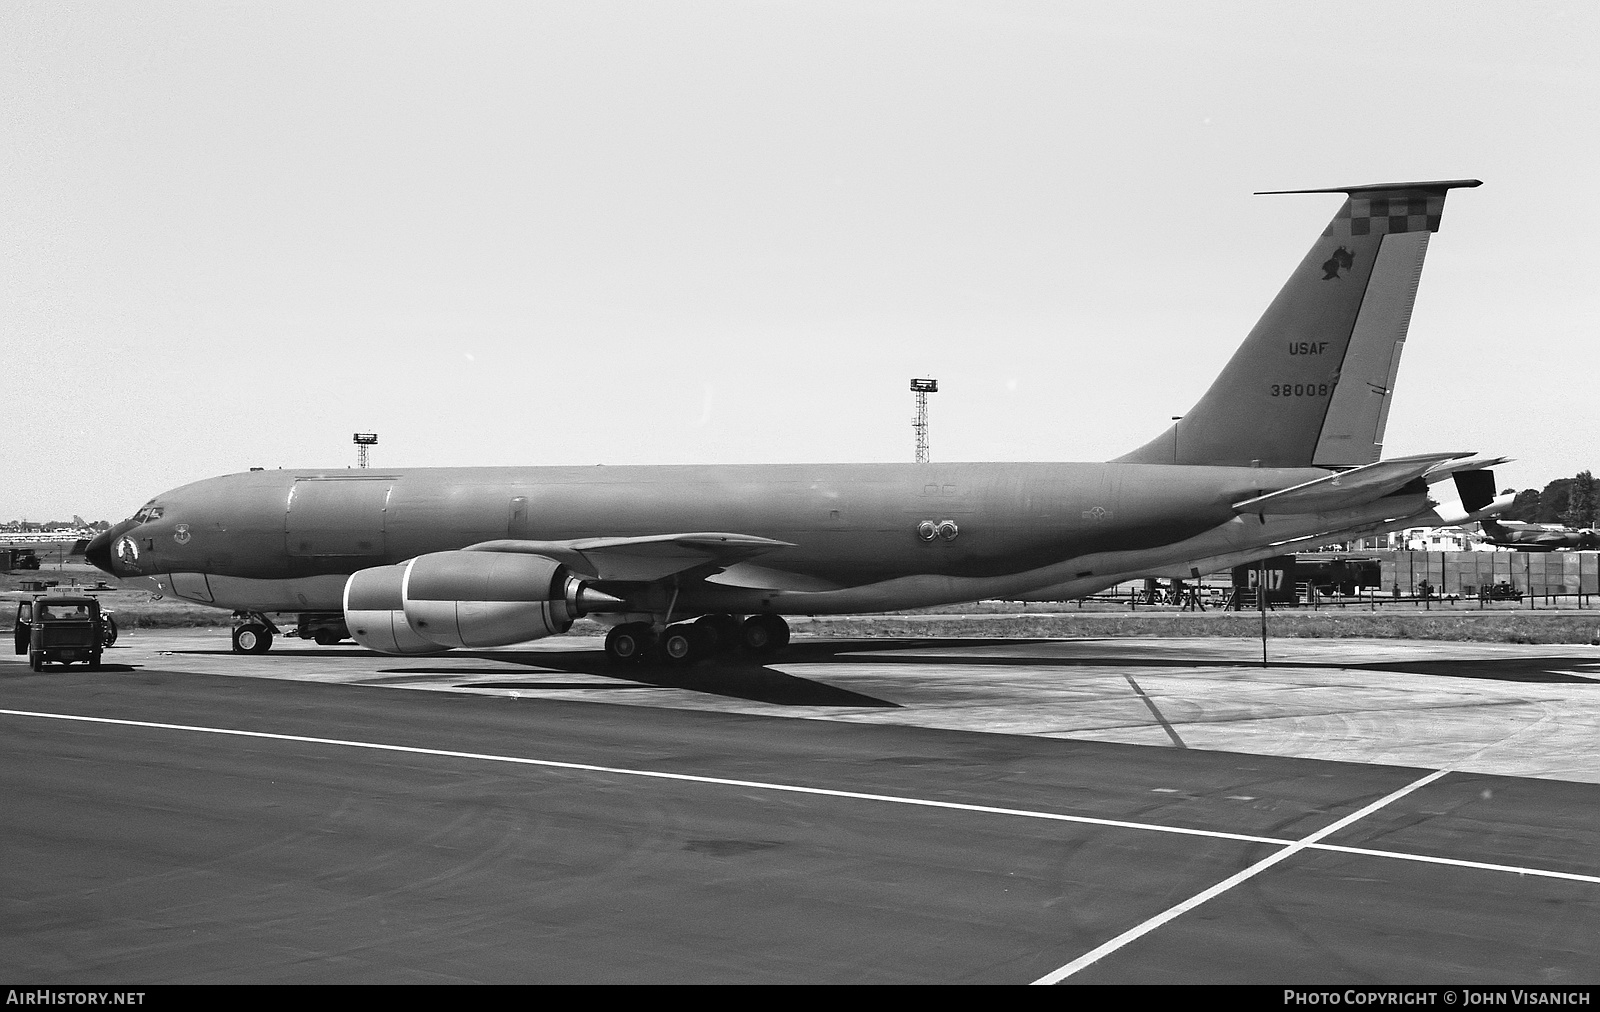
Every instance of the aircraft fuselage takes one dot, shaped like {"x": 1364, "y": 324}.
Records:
{"x": 850, "y": 525}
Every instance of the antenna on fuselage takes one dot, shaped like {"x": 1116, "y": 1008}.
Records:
{"x": 922, "y": 388}
{"x": 362, "y": 441}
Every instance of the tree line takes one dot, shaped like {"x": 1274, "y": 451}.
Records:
{"x": 1570, "y": 501}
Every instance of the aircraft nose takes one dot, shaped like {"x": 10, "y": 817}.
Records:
{"x": 99, "y": 550}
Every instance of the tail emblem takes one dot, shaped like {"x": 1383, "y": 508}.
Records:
{"x": 1342, "y": 258}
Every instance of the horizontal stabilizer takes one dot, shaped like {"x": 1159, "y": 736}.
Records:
{"x": 1348, "y": 488}
{"x": 1468, "y": 465}
{"x": 1429, "y": 184}
{"x": 643, "y": 559}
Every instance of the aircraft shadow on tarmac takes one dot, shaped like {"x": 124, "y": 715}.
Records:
{"x": 740, "y": 676}
{"x": 746, "y": 678}
{"x": 1505, "y": 669}
{"x": 732, "y": 675}
{"x": 83, "y": 669}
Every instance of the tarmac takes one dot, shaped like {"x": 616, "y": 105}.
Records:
{"x": 985, "y": 811}
{"x": 1506, "y": 709}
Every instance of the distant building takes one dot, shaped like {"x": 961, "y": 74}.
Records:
{"x": 1423, "y": 539}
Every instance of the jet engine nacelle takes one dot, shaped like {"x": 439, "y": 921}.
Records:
{"x": 466, "y": 599}
{"x": 374, "y": 610}
{"x": 488, "y": 599}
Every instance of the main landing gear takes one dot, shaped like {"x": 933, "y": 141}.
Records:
{"x": 686, "y": 642}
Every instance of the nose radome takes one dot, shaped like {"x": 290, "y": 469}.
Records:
{"x": 99, "y": 551}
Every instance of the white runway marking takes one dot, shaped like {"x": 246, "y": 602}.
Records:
{"x": 1289, "y": 846}
{"x": 1570, "y": 876}
{"x": 658, "y": 775}
{"x": 1096, "y": 954}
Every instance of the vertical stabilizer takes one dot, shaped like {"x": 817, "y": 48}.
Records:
{"x": 1312, "y": 383}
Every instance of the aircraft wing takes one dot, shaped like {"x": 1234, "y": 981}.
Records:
{"x": 1350, "y": 488}
{"x": 644, "y": 559}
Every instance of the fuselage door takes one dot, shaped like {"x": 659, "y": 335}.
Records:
{"x": 337, "y": 516}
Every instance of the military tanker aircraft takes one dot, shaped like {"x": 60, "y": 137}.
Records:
{"x": 680, "y": 561}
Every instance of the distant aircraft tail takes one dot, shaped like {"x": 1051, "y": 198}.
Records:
{"x": 1311, "y": 384}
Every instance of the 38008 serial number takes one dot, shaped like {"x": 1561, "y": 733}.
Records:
{"x": 1299, "y": 389}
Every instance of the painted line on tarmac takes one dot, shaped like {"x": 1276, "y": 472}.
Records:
{"x": 1156, "y": 713}
{"x": 1306, "y": 843}
{"x": 1140, "y": 930}
{"x": 1312, "y": 843}
{"x": 1570, "y": 876}
{"x": 659, "y": 775}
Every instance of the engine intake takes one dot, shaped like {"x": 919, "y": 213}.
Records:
{"x": 374, "y": 611}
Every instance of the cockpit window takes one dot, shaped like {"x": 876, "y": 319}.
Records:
{"x": 147, "y": 514}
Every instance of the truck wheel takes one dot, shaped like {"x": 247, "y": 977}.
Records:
{"x": 251, "y": 638}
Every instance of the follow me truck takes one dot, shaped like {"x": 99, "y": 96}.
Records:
{"x": 63, "y": 630}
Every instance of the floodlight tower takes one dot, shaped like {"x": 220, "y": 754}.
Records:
{"x": 362, "y": 441}
{"x": 922, "y": 388}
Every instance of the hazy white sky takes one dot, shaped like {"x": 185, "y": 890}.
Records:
{"x": 539, "y": 233}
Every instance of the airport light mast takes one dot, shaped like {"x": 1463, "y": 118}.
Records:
{"x": 362, "y": 441}
{"x": 922, "y": 388}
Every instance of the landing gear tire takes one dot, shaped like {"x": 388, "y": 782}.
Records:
{"x": 36, "y": 660}
{"x": 683, "y": 644}
{"x": 764, "y": 634}
{"x": 719, "y": 633}
{"x": 326, "y": 639}
{"x": 629, "y": 643}
{"x": 94, "y": 661}
{"x": 108, "y": 632}
{"x": 252, "y": 638}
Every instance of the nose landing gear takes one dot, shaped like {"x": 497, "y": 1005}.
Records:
{"x": 253, "y": 635}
